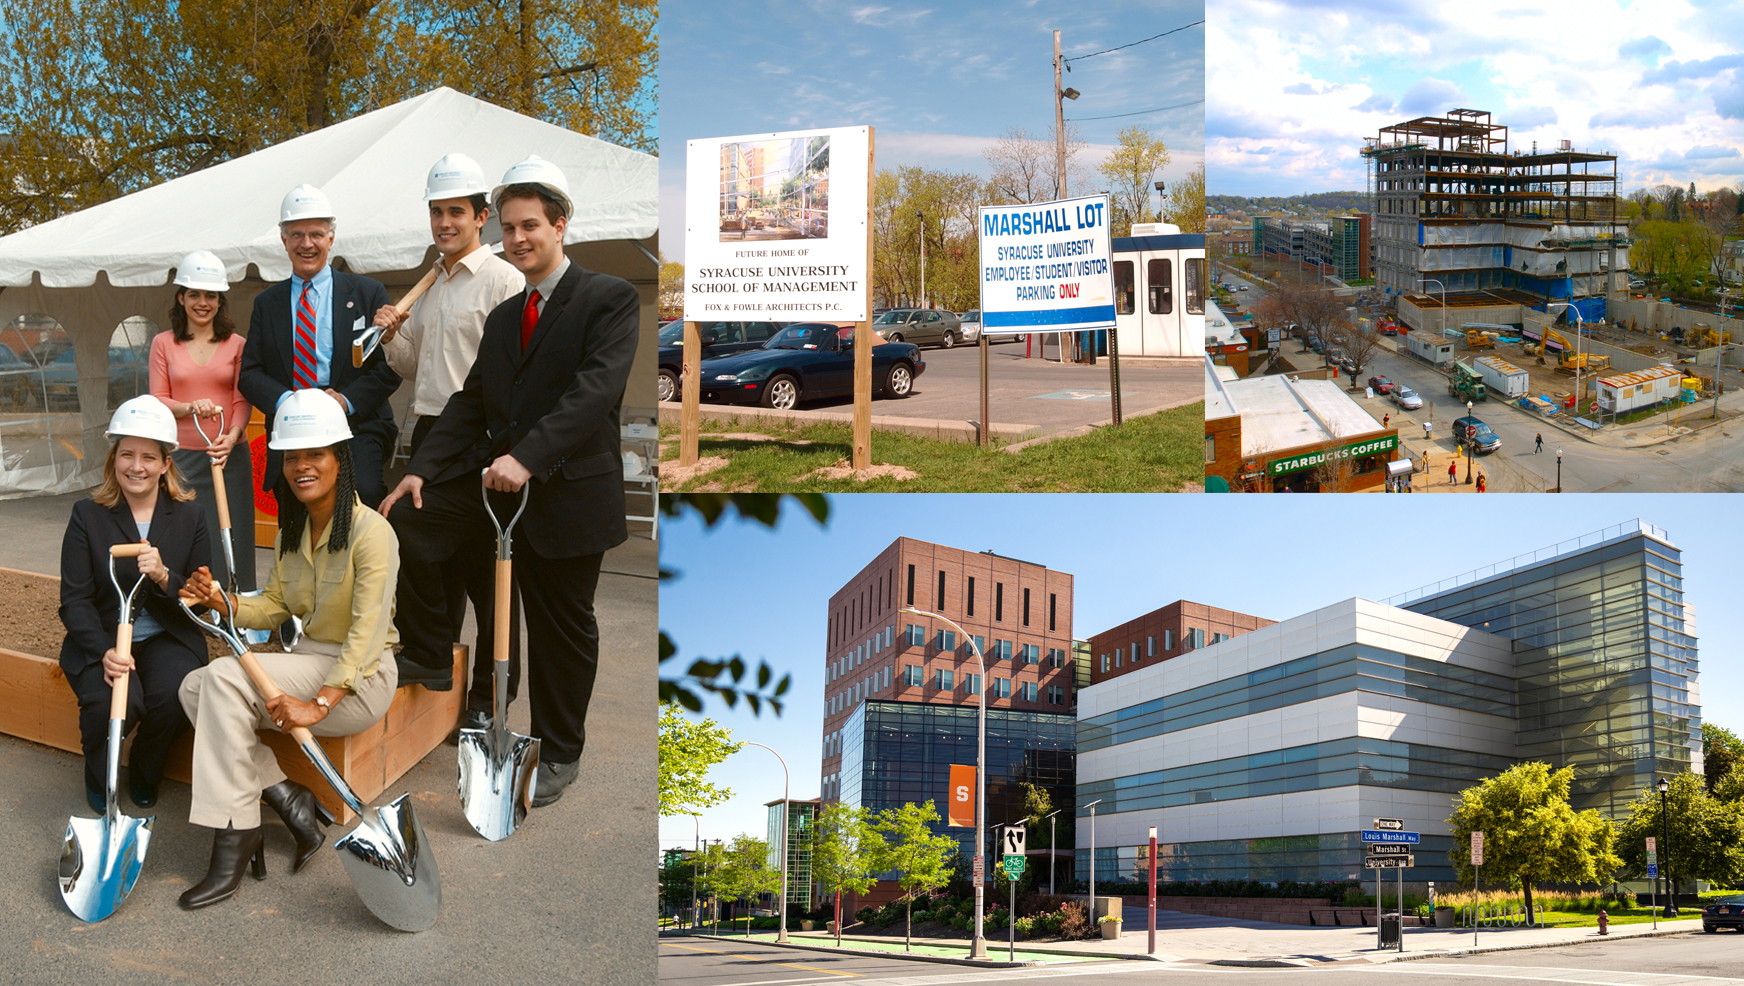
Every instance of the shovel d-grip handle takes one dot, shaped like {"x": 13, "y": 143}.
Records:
{"x": 505, "y": 570}
{"x": 128, "y": 550}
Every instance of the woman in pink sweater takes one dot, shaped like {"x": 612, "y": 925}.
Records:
{"x": 194, "y": 370}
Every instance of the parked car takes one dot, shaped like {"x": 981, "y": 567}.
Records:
{"x": 1725, "y": 913}
{"x": 1406, "y": 398}
{"x": 128, "y": 377}
{"x": 1478, "y": 433}
{"x": 1381, "y": 385}
{"x": 971, "y": 323}
{"x": 1242, "y": 288}
{"x": 1389, "y": 329}
{"x": 718, "y": 339}
{"x": 807, "y": 361}
{"x": 18, "y": 381}
{"x": 921, "y": 326}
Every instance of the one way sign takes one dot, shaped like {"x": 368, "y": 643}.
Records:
{"x": 1012, "y": 839}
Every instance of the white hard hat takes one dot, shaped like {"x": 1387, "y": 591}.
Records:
{"x": 536, "y": 171}
{"x": 202, "y": 271}
{"x": 456, "y": 176}
{"x": 143, "y": 417}
{"x": 309, "y": 419}
{"x": 305, "y": 202}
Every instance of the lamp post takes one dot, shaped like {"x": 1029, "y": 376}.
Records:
{"x": 1579, "y": 324}
{"x": 781, "y": 905}
{"x": 1665, "y": 837}
{"x": 1432, "y": 280}
{"x": 1559, "y": 470}
{"x": 1152, "y": 949}
{"x": 1092, "y": 806}
{"x": 922, "y": 217}
{"x": 695, "y": 861}
{"x": 1160, "y": 200}
{"x": 1469, "y": 435}
{"x": 977, "y": 948}
{"x": 1053, "y": 825}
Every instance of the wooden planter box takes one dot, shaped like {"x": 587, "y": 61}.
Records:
{"x": 37, "y": 704}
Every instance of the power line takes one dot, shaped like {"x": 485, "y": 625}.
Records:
{"x": 1153, "y": 37}
{"x": 1116, "y": 116}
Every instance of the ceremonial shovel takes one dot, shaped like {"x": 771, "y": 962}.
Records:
{"x": 369, "y": 340}
{"x": 497, "y": 767}
{"x": 102, "y": 856}
{"x": 292, "y": 631}
{"x": 387, "y": 856}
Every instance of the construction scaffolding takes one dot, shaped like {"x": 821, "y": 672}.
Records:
{"x": 1453, "y": 204}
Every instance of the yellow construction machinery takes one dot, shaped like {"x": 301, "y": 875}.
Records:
{"x": 1702, "y": 336}
{"x": 1478, "y": 339}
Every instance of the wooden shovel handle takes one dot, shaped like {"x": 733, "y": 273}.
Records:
{"x": 505, "y": 571}
{"x": 418, "y": 289}
{"x": 118, "y": 691}
{"x": 222, "y": 497}
{"x": 129, "y": 550}
{"x": 269, "y": 691}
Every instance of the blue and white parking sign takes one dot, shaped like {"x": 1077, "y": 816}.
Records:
{"x": 1046, "y": 266}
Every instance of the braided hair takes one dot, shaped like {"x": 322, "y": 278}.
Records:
{"x": 293, "y": 515}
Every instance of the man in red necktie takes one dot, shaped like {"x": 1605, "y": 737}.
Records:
{"x": 540, "y": 406}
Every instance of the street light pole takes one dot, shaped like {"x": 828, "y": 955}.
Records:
{"x": 1559, "y": 470}
{"x": 1160, "y": 200}
{"x": 1092, "y": 806}
{"x": 922, "y": 217}
{"x": 781, "y": 906}
{"x": 1432, "y": 280}
{"x": 1052, "y": 863}
{"x": 695, "y": 861}
{"x": 977, "y": 948}
{"x": 1470, "y": 434}
{"x": 1665, "y": 836}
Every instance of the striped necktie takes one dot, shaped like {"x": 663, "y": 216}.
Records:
{"x": 304, "y": 374}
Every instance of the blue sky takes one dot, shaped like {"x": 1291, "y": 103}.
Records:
{"x": 940, "y": 82}
{"x": 1294, "y": 86}
{"x": 764, "y": 594}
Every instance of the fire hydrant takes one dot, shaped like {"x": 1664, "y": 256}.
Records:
{"x": 1604, "y": 923}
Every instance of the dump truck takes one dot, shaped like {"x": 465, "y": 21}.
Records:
{"x": 1507, "y": 379}
{"x": 1625, "y": 392}
{"x": 1467, "y": 384}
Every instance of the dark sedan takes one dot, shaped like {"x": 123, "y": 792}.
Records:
{"x": 1728, "y": 913}
{"x": 718, "y": 339}
{"x": 807, "y": 361}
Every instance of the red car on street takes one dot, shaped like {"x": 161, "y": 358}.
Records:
{"x": 1381, "y": 385}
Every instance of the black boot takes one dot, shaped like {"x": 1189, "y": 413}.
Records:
{"x": 296, "y": 804}
{"x": 231, "y": 850}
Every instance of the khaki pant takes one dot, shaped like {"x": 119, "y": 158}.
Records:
{"x": 231, "y": 765}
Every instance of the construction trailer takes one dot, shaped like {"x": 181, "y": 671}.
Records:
{"x": 1625, "y": 392}
{"x": 1502, "y": 376}
{"x": 1455, "y": 205}
{"x": 1434, "y": 350}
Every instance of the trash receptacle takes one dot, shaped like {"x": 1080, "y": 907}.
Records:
{"x": 1389, "y": 929}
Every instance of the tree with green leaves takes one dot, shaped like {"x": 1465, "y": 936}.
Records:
{"x": 1721, "y": 751}
{"x": 688, "y": 749}
{"x": 845, "y": 849}
{"x": 745, "y": 874}
{"x": 1531, "y": 833}
{"x": 1187, "y": 201}
{"x": 1704, "y": 840}
{"x": 722, "y": 677}
{"x": 708, "y": 879}
{"x": 1731, "y": 788}
{"x": 1037, "y": 806}
{"x": 1131, "y": 171}
{"x": 918, "y": 857}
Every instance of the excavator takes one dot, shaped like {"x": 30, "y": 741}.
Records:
{"x": 1568, "y": 359}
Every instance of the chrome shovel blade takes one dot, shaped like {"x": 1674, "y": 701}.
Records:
{"x": 389, "y": 862}
{"x": 497, "y": 773}
{"x": 100, "y": 863}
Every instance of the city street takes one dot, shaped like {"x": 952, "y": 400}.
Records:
{"x": 1711, "y": 960}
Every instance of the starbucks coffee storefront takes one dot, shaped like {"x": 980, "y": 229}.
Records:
{"x": 1343, "y": 467}
{"x": 1280, "y": 433}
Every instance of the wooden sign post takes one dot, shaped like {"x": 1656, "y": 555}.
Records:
{"x": 690, "y": 415}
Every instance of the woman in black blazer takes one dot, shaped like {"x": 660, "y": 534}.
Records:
{"x": 142, "y": 499}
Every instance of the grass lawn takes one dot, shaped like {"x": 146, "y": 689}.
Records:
{"x": 995, "y": 950}
{"x": 1156, "y": 453}
{"x": 1580, "y": 919}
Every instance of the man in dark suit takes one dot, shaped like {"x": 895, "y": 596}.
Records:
{"x": 300, "y": 334}
{"x": 540, "y": 406}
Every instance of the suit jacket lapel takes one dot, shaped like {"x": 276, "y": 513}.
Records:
{"x": 122, "y": 515}
{"x": 553, "y": 308}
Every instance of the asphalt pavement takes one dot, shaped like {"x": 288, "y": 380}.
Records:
{"x": 554, "y": 903}
{"x": 1688, "y": 958}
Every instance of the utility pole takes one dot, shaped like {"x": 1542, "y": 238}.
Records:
{"x": 1060, "y": 120}
{"x": 922, "y": 217}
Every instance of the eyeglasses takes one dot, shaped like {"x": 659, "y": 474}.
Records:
{"x": 299, "y": 236}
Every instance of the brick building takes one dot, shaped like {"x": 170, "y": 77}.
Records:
{"x": 1173, "y": 630}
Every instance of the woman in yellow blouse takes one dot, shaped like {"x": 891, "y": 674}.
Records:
{"x": 336, "y": 568}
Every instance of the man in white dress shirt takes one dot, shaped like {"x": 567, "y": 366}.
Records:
{"x": 435, "y": 345}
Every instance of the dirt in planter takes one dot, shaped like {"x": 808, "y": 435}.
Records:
{"x": 32, "y": 622}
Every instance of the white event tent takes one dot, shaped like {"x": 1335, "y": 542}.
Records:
{"x": 102, "y": 272}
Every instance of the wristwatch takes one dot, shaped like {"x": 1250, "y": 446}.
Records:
{"x": 321, "y": 700}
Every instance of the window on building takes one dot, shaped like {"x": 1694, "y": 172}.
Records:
{"x": 1026, "y": 607}
{"x": 981, "y": 646}
{"x": 1053, "y": 608}
{"x": 1168, "y": 640}
{"x": 947, "y": 640}
{"x": 1150, "y": 647}
{"x": 1002, "y": 650}
{"x": 1032, "y": 654}
{"x": 999, "y": 602}
{"x": 1194, "y": 639}
{"x": 911, "y": 675}
{"x": 941, "y": 608}
{"x": 1135, "y": 652}
{"x": 1160, "y": 279}
{"x": 1124, "y": 300}
{"x": 1027, "y": 691}
{"x": 1002, "y": 688}
{"x": 910, "y": 586}
{"x": 1193, "y": 272}
{"x": 971, "y": 683}
{"x": 969, "y": 597}
{"x": 943, "y": 680}
{"x": 1105, "y": 664}
{"x": 916, "y": 636}
{"x": 1218, "y": 638}
{"x": 1119, "y": 653}
{"x": 1056, "y": 695}
{"x": 1210, "y": 448}
{"x": 1056, "y": 657}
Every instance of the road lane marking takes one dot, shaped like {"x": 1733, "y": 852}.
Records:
{"x": 1532, "y": 973}
{"x": 790, "y": 965}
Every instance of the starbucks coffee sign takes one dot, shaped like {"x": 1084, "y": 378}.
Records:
{"x": 1308, "y": 460}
